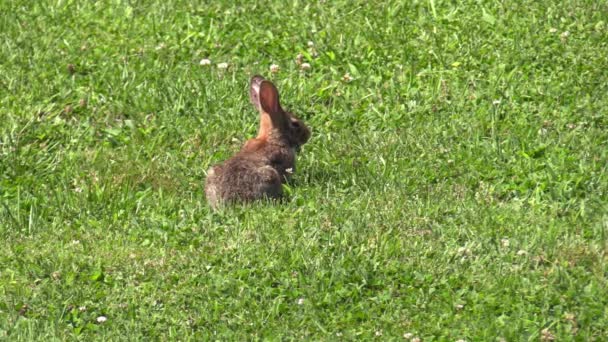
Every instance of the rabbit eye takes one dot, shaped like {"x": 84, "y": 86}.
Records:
{"x": 295, "y": 124}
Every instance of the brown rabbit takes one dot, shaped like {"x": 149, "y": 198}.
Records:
{"x": 265, "y": 162}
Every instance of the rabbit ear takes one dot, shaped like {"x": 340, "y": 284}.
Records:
{"x": 269, "y": 99}
{"x": 254, "y": 90}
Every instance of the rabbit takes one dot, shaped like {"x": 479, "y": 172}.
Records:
{"x": 265, "y": 162}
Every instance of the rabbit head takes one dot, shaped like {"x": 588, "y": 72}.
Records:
{"x": 276, "y": 124}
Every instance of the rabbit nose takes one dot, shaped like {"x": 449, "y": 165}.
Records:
{"x": 305, "y": 135}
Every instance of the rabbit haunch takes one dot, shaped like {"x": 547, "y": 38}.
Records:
{"x": 265, "y": 162}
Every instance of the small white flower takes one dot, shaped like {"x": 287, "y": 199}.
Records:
{"x": 459, "y": 307}
{"x": 496, "y": 102}
{"x": 205, "y": 61}
{"x": 222, "y": 66}
{"x": 299, "y": 59}
{"x": 75, "y": 242}
{"x": 408, "y": 335}
{"x": 161, "y": 46}
{"x": 305, "y": 66}
{"x": 82, "y": 308}
{"x": 301, "y": 301}
{"x": 78, "y": 189}
{"x": 565, "y": 35}
{"x": 552, "y": 30}
{"x": 274, "y": 68}
{"x": 547, "y": 335}
{"x": 338, "y": 334}
{"x": 504, "y": 242}
{"x": 310, "y": 44}
{"x": 416, "y": 339}
{"x": 464, "y": 251}
{"x": 289, "y": 170}
{"x": 570, "y": 317}
{"x": 461, "y": 340}
{"x": 521, "y": 252}
{"x": 101, "y": 319}
{"x": 347, "y": 77}
{"x": 379, "y": 333}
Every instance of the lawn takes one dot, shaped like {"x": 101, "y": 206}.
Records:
{"x": 455, "y": 186}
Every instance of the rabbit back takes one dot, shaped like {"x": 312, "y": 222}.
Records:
{"x": 242, "y": 178}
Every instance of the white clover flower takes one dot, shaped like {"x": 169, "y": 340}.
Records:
{"x": 300, "y": 301}
{"x": 299, "y": 59}
{"x": 504, "y": 242}
{"x": 547, "y": 335}
{"x": 408, "y": 335}
{"x": 274, "y": 68}
{"x": 205, "y": 61}
{"x": 464, "y": 251}
{"x": 305, "y": 66}
{"x": 347, "y": 77}
{"x": 222, "y": 66}
{"x": 102, "y": 319}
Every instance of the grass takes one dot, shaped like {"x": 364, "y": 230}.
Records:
{"x": 455, "y": 188}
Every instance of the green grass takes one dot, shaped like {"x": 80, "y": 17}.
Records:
{"x": 456, "y": 188}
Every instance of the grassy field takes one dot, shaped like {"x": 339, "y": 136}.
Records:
{"x": 455, "y": 186}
